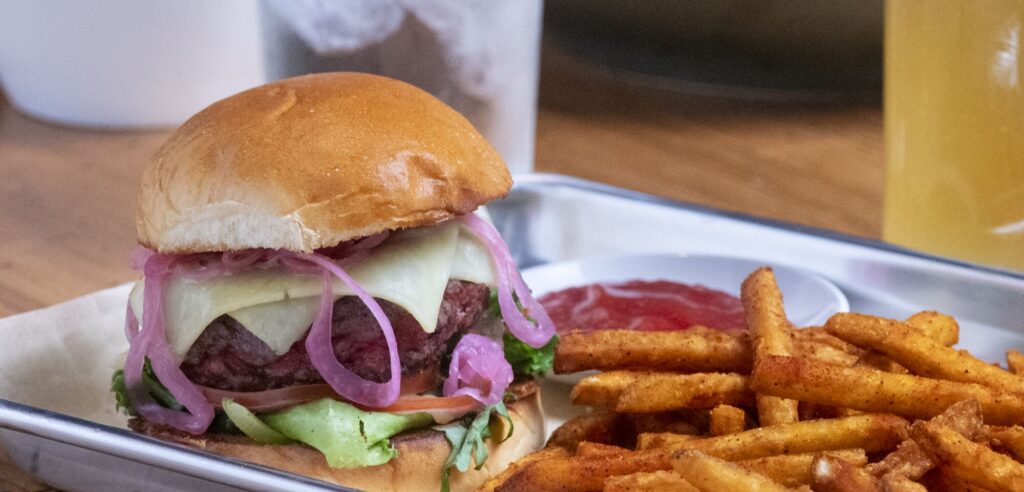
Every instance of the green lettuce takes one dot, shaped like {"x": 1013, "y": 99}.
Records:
{"x": 467, "y": 441}
{"x": 347, "y": 436}
{"x": 526, "y": 360}
{"x": 251, "y": 425}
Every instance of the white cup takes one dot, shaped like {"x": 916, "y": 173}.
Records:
{"x": 126, "y": 63}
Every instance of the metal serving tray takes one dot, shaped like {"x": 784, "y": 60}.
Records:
{"x": 549, "y": 218}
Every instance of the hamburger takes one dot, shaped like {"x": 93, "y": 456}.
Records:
{"x": 322, "y": 292}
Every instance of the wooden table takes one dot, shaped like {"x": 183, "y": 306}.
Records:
{"x": 67, "y": 196}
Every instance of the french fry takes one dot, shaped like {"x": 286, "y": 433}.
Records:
{"x": 591, "y": 449}
{"x": 972, "y": 462}
{"x": 710, "y": 474}
{"x": 794, "y": 470}
{"x": 676, "y": 422}
{"x": 823, "y": 352}
{"x": 871, "y": 432}
{"x": 880, "y": 361}
{"x": 659, "y": 481}
{"x": 581, "y": 473}
{"x": 876, "y": 391}
{"x": 766, "y": 320}
{"x": 921, "y": 354}
{"x": 604, "y": 428}
{"x": 492, "y": 483}
{"x": 911, "y": 461}
{"x": 659, "y": 392}
{"x": 940, "y": 479}
{"x": 1015, "y": 361}
{"x": 833, "y": 474}
{"x": 939, "y": 327}
{"x": 696, "y": 349}
{"x": 1010, "y": 439}
{"x": 727, "y": 419}
{"x": 898, "y": 483}
{"x": 818, "y": 335}
{"x": 661, "y": 440}
{"x": 603, "y": 389}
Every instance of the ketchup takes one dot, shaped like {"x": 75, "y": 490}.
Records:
{"x": 642, "y": 305}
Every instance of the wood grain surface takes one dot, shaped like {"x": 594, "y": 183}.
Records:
{"x": 67, "y": 196}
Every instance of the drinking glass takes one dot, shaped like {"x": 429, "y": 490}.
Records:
{"x": 954, "y": 129}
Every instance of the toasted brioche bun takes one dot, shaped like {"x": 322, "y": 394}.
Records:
{"x": 421, "y": 453}
{"x": 312, "y": 161}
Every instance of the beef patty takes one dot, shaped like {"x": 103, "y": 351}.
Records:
{"x": 229, "y": 357}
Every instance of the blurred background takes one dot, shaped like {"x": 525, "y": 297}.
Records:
{"x": 766, "y": 107}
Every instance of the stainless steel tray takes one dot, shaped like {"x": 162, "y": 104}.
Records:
{"x": 548, "y": 218}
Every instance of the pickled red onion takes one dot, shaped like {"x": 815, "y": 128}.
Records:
{"x": 479, "y": 370}
{"x": 151, "y": 342}
{"x": 533, "y": 334}
{"x": 321, "y": 350}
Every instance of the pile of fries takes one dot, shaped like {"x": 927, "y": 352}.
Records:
{"x": 861, "y": 404}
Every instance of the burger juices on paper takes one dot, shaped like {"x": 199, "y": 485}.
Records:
{"x": 319, "y": 295}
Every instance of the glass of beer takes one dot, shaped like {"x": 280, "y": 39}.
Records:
{"x": 954, "y": 129}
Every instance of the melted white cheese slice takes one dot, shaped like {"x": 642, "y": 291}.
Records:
{"x": 411, "y": 270}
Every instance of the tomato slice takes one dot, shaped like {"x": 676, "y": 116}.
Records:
{"x": 430, "y": 403}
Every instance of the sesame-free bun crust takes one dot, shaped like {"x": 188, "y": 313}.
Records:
{"x": 417, "y": 467}
{"x": 312, "y": 161}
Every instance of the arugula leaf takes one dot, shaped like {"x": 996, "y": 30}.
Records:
{"x": 468, "y": 441}
{"x": 526, "y": 360}
{"x": 153, "y": 385}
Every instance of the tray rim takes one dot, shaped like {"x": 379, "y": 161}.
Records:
{"x": 71, "y": 431}
{"x": 545, "y": 179}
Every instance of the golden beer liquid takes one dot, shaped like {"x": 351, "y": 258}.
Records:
{"x": 954, "y": 128}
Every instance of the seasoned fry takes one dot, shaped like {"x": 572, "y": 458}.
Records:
{"x": 587, "y": 448}
{"x": 658, "y": 392}
{"x": 818, "y": 335}
{"x": 675, "y": 422}
{"x": 710, "y": 474}
{"x": 1010, "y": 439}
{"x": 659, "y": 481}
{"x": 911, "y": 461}
{"x": 972, "y": 462}
{"x": 605, "y": 428}
{"x": 1015, "y": 361}
{"x": 833, "y": 474}
{"x": 871, "y": 432}
{"x": 920, "y": 353}
{"x": 492, "y": 483}
{"x": 697, "y": 349}
{"x": 794, "y": 470}
{"x": 661, "y": 440}
{"x": 876, "y": 391}
{"x": 939, "y": 327}
{"x": 727, "y": 419}
{"x": 941, "y": 480}
{"x": 880, "y": 361}
{"x": 766, "y": 320}
{"x": 604, "y": 389}
{"x": 823, "y": 352}
{"x": 899, "y": 483}
{"x": 581, "y": 473}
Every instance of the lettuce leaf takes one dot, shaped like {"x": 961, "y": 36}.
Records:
{"x": 526, "y": 360}
{"x": 347, "y": 436}
{"x": 468, "y": 441}
{"x": 251, "y": 425}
